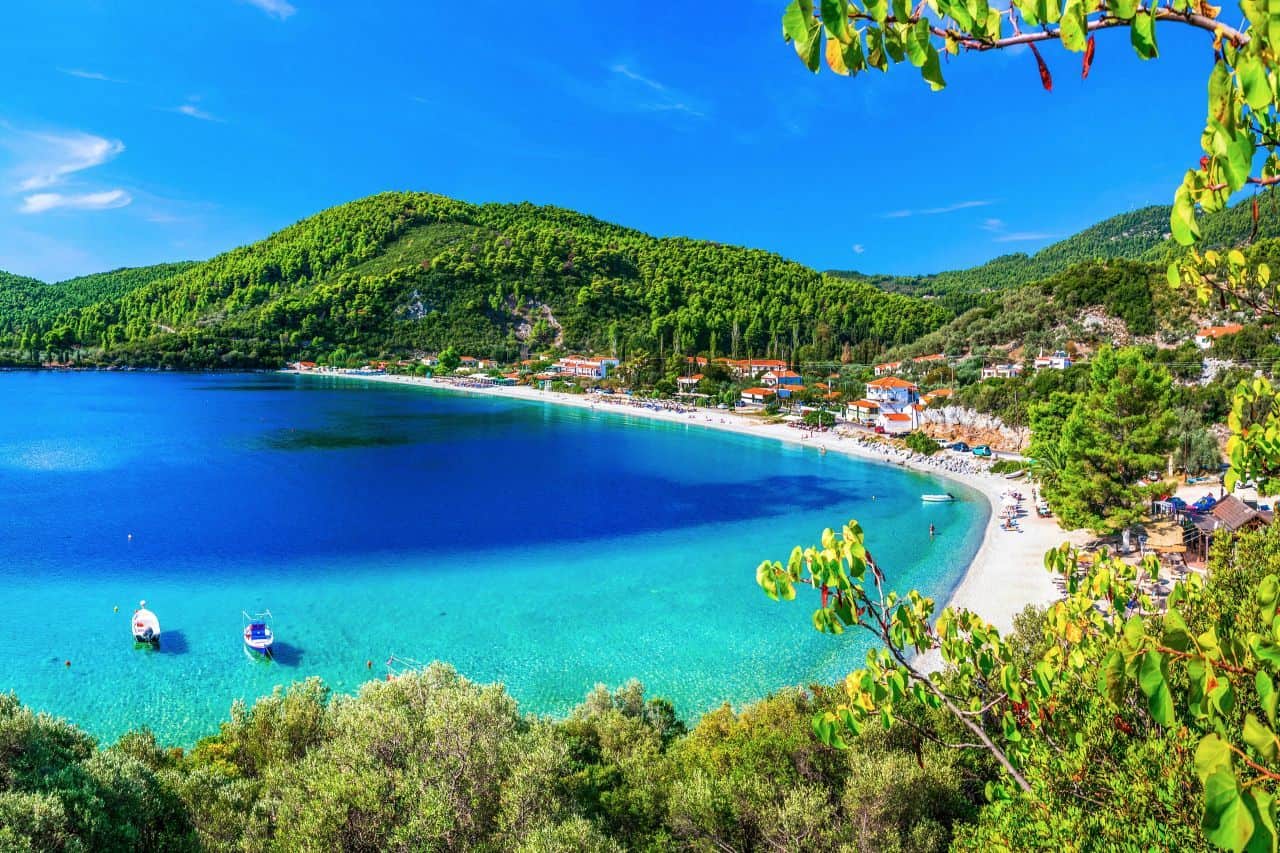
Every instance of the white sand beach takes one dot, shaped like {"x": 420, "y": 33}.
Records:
{"x": 1006, "y": 574}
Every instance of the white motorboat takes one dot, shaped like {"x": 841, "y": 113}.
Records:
{"x": 258, "y": 637}
{"x": 146, "y": 627}
{"x": 938, "y": 499}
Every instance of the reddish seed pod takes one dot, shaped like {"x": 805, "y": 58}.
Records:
{"x": 1088, "y": 58}
{"x": 1046, "y": 79}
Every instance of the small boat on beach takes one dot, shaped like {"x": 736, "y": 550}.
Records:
{"x": 258, "y": 636}
{"x": 938, "y": 499}
{"x": 146, "y": 626}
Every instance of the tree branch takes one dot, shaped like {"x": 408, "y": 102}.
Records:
{"x": 972, "y": 42}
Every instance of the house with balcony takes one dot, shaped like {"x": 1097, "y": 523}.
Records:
{"x": 779, "y": 377}
{"x": 758, "y": 396}
{"x": 889, "y": 367}
{"x": 589, "y": 368}
{"x": 1004, "y": 370}
{"x": 1058, "y": 361}
{"x": 898, "y": 401}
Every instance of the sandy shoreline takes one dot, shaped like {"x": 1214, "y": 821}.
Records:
{"x": 1007, "y": 572}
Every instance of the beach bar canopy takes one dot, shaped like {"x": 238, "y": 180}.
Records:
{"x": 1166, "y": 537}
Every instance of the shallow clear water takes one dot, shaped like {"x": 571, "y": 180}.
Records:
{"x": 548, "y": 548}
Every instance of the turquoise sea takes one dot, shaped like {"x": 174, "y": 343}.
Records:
{"x": 545, "y": 547}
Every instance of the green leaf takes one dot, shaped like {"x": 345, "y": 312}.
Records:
{"x": 1182, "y": 223}
{"x": 878, "y": 10}
{"x": 797, "y": 21}
{"x": 1074, "y": 26}
{"x": 932, "y": 70}
{"x": 1213, "y": 755}
{"x": 810, "y": 50}
{"x": 1111, "y": 678}
{"x": 827, "y": 728}
{"x": 1219, "y": 93}
{"x": 1142, "y": 33}
{"x": 1266, "y": 689}
{"x": 894, "y": 36}
{"x": 1151, "y": 678}
{"x": 1262, "y": 809}
{"x": 918, "y": 43}
{"x": 1134, "y": 631}
{"x": 1261, "y": 738}
{"x": 1123, "y": 9}
{"x": 1176, "y": 635}
{"x": 876, "y": 57}
{"x": 835, "y": 16}
{"x": 1252, "y": 74}
{"x": 1227, "y": 822}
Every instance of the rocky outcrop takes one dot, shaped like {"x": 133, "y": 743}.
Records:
{"x": 957, "y": 423}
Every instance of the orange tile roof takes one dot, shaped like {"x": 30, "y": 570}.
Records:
{"x": 1220, "y": 331}
{"x": 891, "y": 382}
{"x": 865, "y": 404}
{"x": 894, "y": 416}
{"x": 759, "y": 392}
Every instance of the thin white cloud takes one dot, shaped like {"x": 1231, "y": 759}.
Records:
{"x": 192, "y": 111}
{"x": 858, "y": 248}
{"x": 937, "y": 211}
{"x": 952, "y": 208}
{"x": 653, "y": 95}
{"x": 89, "y": 75}
{"x": 993, "y": 224}
{"x": 45, "y": 202}
{"x": 46, "y": 160}
{"x": 625, "y": 70}
{"x": 1024, "y": 236}
{"x": 54, "y": 157}
{"x": 281, "y": 10}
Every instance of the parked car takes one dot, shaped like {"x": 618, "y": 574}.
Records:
{"x": 982, "y": 450}
{"x": 959, "y": 446}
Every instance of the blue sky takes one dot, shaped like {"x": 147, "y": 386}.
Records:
{"x": 138, "y": 131}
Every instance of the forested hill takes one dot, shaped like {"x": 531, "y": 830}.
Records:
{"x": 28, "y": 306}
{"x": 1138, "y": 235}
{"x": 407, "y": 272}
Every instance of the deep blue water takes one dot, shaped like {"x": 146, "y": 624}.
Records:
{"x": 545, "y": 547}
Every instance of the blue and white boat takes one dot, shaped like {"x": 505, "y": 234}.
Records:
{"x": 146, "y": 626}
{"x": 258, "y": 636}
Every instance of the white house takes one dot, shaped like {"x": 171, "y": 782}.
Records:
{"x": 898, "y": 401}
{"x": 1206, "y": 336}
{"x": 592, "y": 368}
{"x": 758, "y": 396}
{"x": 1007, "y": 370}
{"x": 1058, "y": 361}
{"x": 774, "y": 378}
{"x": 887, "y": 368}
{"x": 863, "y": 412}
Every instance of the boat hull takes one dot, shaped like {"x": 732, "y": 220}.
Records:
{"x": 937, "y": 499}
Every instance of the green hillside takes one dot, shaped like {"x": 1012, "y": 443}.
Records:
{"x": 1138, "y": 235}
{"x": 405, "y": 272}
{"x": 30, "y": 310}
